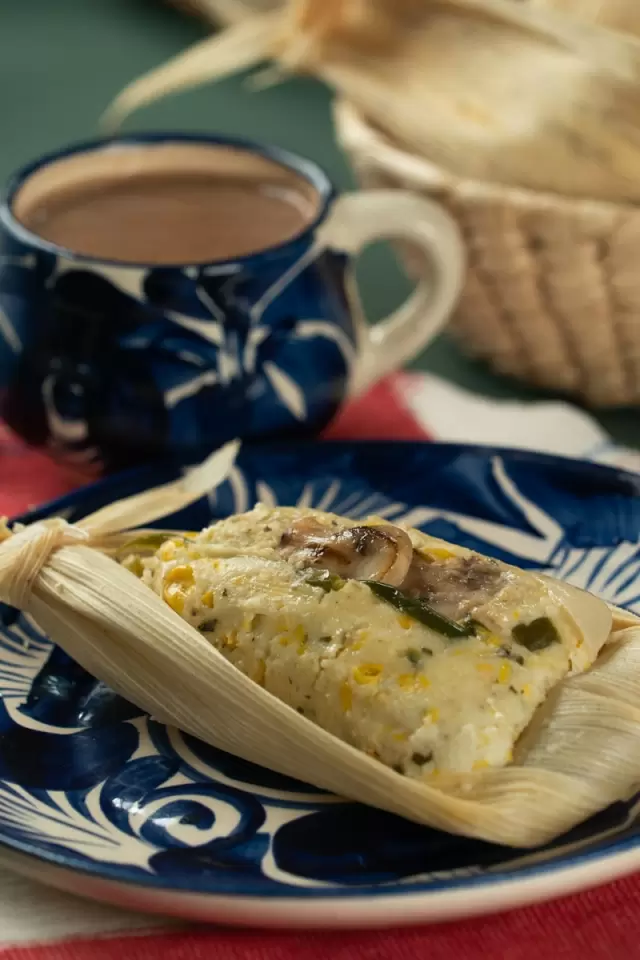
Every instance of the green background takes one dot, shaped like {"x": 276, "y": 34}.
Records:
{"x": 62, "y": 61}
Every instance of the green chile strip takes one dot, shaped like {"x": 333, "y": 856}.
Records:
{"x": 420, "y": 610}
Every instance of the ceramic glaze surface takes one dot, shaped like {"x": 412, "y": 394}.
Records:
{"x": 89, "y": 781}
{"x": 108, "y": 363}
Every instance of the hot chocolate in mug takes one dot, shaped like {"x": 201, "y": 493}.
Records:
{"x": 160, "y": 294}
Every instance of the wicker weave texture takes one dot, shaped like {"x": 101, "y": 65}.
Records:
{"x": 552, "y": 294}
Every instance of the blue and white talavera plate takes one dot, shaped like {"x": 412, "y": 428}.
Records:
{"x": 101, "y": 800}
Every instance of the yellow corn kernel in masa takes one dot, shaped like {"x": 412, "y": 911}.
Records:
{"x": 406, "y": 680}
{"x": 260, "y": 672}
{"x": 207, "y": 599}
{"x": 439, "y": 553}
{"x": 401, "y": 736}
{"x": 504, "y": 673}
{"x": 481, "y": 765}
{"x": 526, "y": 690}
{"x": 167, "y": 550}
{"x": 180, "y": 574}
{"x": 174, "y": 595}
{"x": 367, "y": 673}
{"x": 432, "y": 715}
{"x": 406, "y": 622}
{"x": 485, "y": 667}
{"x": 346, "y": 696}
{"x": 284, "y": 639}
{"x": 230, "y": 641}
{"x": 492, "y": 640}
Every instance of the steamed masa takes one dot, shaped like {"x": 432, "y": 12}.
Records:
{"x": 424, "y": 655}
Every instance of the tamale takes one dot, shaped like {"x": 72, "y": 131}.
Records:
{"x": 578, "y": 754}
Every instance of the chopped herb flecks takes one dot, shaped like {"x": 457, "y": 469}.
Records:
{"x": 510, "y": 654}
{"x": 325, "y": 580}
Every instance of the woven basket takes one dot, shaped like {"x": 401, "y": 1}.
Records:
{"x": 553, "y": 287}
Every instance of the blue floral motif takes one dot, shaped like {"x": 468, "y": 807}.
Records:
{"x": 86, "y": 777}
{"x": 115, "y": 364}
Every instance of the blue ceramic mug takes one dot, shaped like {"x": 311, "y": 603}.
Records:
{"x": 108, "y": 362}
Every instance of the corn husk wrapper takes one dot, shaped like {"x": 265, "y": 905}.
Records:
{"x": 622, "y": 15}
{"x": 512, "y": 92}
{"x": 581, "y": 753}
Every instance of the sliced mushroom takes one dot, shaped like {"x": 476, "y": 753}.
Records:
{"x": 453, "y": 587}
{"x": 456, "y": 586}
{"x": 381, "y": 553}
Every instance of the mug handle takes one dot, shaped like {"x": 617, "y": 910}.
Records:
{"x": 358, "y": 219}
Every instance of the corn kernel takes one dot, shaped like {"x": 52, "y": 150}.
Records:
{"x": 481, "y": 765}
{"x": 247, "y": 622}
{"x": 504, "y": 673}
{"x": 367, "y": 673}
{"x": 422, "y": 681}
{"x": 439, "y": 553}
{"x": 174, "y": 595}
{"x": 231, "y": 640}
{"x": 260, "y": 672}
{"x": 401, "y": 736}
{"x": 406, "y": 622}
{"x": 285, "y": 639}
{"x": 180, "y": 574}
{"x": 208, "y": 599}
{"x": 526, "y": 690}
{"x": 433, "y": 714}
{"x": 346, "y": 697}
{"x": 167, "y": 550}
{"x": 485, "y": 667}
{"x": 299, "y": 634}
{"x": 406, "y": 680}
{"x": 493, "y": 640}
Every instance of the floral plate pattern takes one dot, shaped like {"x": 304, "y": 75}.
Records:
{"x": 101, "y": 799}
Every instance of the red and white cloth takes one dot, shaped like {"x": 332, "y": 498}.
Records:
{"x": 40, "y": 924}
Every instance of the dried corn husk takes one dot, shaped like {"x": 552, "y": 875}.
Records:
{"x": 496, "y": 90}
{"x": 581, "y": 754}
{"x": 623, "y": 15}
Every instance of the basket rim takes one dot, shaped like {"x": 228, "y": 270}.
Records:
{"x": 358, "y": 136}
